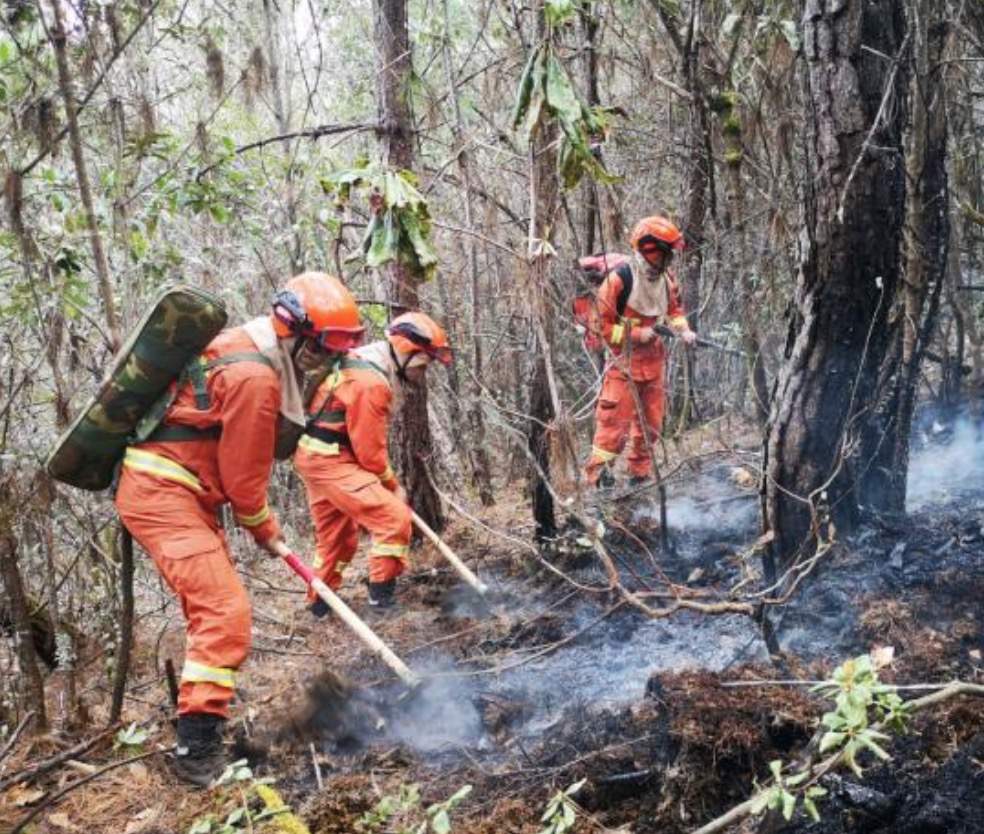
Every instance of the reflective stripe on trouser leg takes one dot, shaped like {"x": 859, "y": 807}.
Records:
{"x": 337, "y": 539}
{"x": 183, "y": 539}
{"x": 612, "y": 421}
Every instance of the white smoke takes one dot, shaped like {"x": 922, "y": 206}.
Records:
{"x": 943, "y": 471}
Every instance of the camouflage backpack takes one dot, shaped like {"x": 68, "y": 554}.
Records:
{"x": 181, "y": 322}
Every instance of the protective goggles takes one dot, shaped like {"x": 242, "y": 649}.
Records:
{"x": 289, "y": 311}
{"x": 442, "y": 353}
{"x": 649, "y": 245}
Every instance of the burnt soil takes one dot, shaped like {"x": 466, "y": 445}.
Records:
{"x": 549, "y": 683}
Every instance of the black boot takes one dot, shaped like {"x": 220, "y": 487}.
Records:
{"x": 319, "y": 608}
{"x": 606, "y": 480}
{"x": 200, "y": 757}
{"x": 381, "y": 593}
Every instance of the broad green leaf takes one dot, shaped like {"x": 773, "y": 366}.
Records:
{"x": 561, "y": 97}
{"x": 775, "y": 767}
{"x": 525, "y": 88}
{"x": 831, "y": 740}
{"x": 788, "y": 805}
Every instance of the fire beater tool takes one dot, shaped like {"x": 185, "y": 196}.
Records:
{"x": 349, "y": 617}
{"x": 663, "y": 330}
{"x": 463, "y": 570}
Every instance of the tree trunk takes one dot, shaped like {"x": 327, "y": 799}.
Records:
{"x": 854, "y": 198}
{"x": 926, "y": 245}
{"x": 271, "y": 16}
{"x": 734, "y": 152}
{"x": 413, "y": 444}
{"x": 17, "y": 601}
{"x": 542, "y": 399}
{"x": 59, "y": 44}
{"x": 477, "y": 448}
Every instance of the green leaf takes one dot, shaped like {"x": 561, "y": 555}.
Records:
{"x": 790, "y": 33}
{"x": 525, "y": 88}
{"x": 730, "y": 24}
{"x": 775, "y": 766}
{"x": 201, "y": 827}
{"x": 811, "y": 809}
{"x": 559, "y": 12}
{"x": 866, "y": 740}
{"x": 788, "y": 805}
{"x": 235, "y": 816}
{"x": 816, "y": 791}
{"x": 831, "y": 740}
{"x": 441, "y": 822}
{"x": 6, "y": 51}
{"x": 561, "y": 97}
{"x": 573, "y": 789}
{"x": 797, "y": 779}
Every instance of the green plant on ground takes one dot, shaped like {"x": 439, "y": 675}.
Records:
{"x": 863, "y": 709}
{"x": 561, "y": 812}
{"x": 403, "y": 813}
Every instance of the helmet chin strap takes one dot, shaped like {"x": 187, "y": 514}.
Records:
{"x": 401, "y": 370}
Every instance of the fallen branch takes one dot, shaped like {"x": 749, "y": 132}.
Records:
{"x": 13, "y": 737}
{"x": 57, "y": 797}
{"x": 950, "y": 690}
{"x": 41, "y": 768}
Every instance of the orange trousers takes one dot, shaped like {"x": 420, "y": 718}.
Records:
{"x": 617, "y": 420}
{"x": 190, "y": 552}
{"x": 344, "y": 497}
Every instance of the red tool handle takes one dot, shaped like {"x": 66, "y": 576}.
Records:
{"x": 302, "y": 570}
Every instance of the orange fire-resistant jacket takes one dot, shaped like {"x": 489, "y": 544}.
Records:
{"x": 242, "y": 403}
{"x": 647, "y": 359}
{"x": 352, "y": 408}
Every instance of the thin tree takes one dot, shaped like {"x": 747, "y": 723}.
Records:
{"x": 394, "y": 67}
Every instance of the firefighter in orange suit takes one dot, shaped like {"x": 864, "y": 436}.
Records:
{"x": 343, "y": 457}
{"x": 215, "y": 445}
{"x": 631, "y": 300}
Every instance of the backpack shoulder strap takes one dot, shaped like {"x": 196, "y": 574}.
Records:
{"x": 625, "y": 273}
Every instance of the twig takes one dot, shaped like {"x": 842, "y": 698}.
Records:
{"x": 13, "y": 738}
{"x": 317, "y": 767}
{"x": 58, "y": 796}
{"x": 30, "y": 773}
{"x": 92, "y": 90}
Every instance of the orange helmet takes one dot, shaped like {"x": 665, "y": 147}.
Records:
{"x": 319, "y": 307}
{"x": 656, "y": 232}
{"x": 413, "y": 333}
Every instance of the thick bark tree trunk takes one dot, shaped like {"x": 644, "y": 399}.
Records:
{"x": 413, "y": 445}
{"x": 854, "y": 202}
{"x": 926, "y": 246}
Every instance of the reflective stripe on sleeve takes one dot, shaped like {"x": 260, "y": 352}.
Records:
{"x": 142, "y": 461}
{"x": 256, "y": 519}
{"x": 195, "y": 672}
{"x": 618, "y": 333}
{"x": 678, "y": 321}
{"x": 602, "y": 454}
{"x": 388, "y": 474}
{"x": 318, "y": 447}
